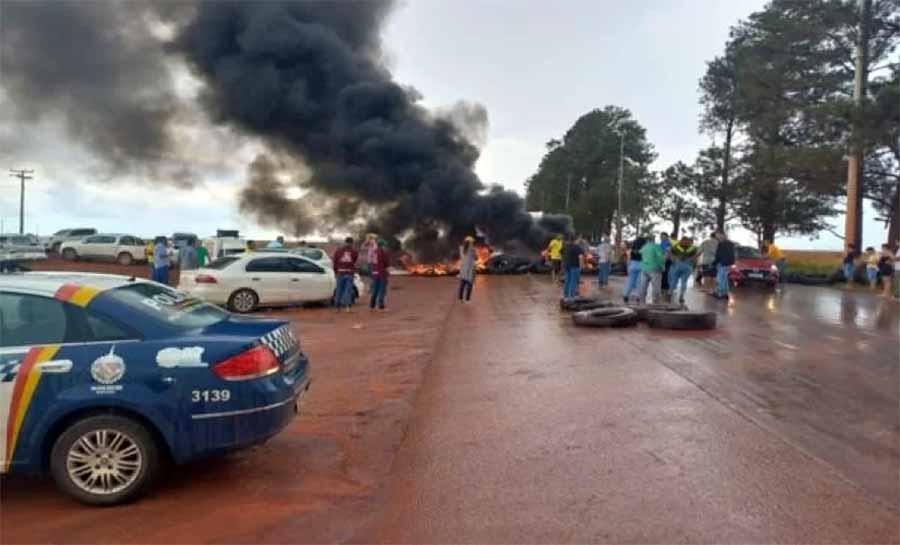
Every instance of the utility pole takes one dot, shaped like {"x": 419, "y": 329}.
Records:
{"x": 853, "y": 224}
{"x": 619, "y": 212}
{"x": 22, "y": 175}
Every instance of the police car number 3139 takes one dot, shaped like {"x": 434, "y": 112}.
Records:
{"x": 96, "y": 372}
{"x": 210, "y": 396}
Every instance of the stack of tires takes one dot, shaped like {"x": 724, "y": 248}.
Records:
{"x": 596, "y": 313}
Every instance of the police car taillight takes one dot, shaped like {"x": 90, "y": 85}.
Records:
{"x": 257, "y": 362}
{"x": 205, "y": 279}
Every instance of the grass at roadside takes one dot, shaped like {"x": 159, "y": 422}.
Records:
{"x": 813, "y": 261}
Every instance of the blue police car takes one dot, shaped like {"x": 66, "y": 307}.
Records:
{"x": 103, "y": 377}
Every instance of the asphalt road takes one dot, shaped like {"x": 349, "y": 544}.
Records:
{"x": 780, "y": 426}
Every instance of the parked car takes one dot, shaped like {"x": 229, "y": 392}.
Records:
{"x": 124, "y": 249}
{"x": 318, "y": 255}
{"x": 103, "y": 377}
{"x": 22, "y": 247}
{"x": 66, "y": 235}
{"x": 751, "y": 267}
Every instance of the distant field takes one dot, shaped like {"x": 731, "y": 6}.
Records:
{"x": 813, "y": 261}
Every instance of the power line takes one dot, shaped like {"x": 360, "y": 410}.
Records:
{"x": 22, "y": 174}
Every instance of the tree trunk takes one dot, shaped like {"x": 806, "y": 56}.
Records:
{"x": 894, "y": 220}
{"x": 676, "y": 218}
{"x": 726, "y": 176}
{"x": 768, "y": 231}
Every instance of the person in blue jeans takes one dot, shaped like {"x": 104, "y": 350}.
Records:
{"x": 378, "y": 263}
{"x": 345, "y": 269}
{"x": 573, "y": 261}
{"x": 161, "y": 261}
{"x": 604, "y": 261}
{"x": 723, "y": 261}
{"x": 684, "y": 254}
{"x": 848, "y": 265}
{"x": 634, "y": 268}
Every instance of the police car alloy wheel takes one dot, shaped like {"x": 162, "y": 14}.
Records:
{"x": 104, "y": 460}
{"x": 243, "y": 301}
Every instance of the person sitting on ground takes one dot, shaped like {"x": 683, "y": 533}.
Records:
{"x": 871, "y": 258}
{"x": 886, "y": 269}
{"x": 684, "y": 255}
{"x": 848, "y": 266}
{"x": 725, "y": 258}
{"x": 467, "y": 260}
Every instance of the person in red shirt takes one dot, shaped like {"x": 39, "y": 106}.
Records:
{"x": 378, "y": 260}
{"x": 344, "y": 269}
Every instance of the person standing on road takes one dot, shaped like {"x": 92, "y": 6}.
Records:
{"x": 886, "y": 269}
{"x": 366, "y": 253}
{"x": 604, "y": 261}
{"x": 187, "y": 258}
{"x": 775, "y": 254}
{"x": 554, "y": 253}
{"x": 871, "y": 258}
{"x": 653, "y": 263}
{"x": 378, "y": 262}
{"x": 161, "y": 261}
{"x": 634, "y": 268}
{"x": 467, "y": 259}
{"x": 848, "y": 266}
{"x": 666, "y": 244}
{"x": 276, "y": 244}
{"x": 148, "y": 252}
{"x": 573, "y": 261}
{"x": 723, "y": 261}
{"x": 707, "y": 268}
{"x": 684, "y": 254}
{"x": 202, "y": 254}
{"x": 345, "y": 268}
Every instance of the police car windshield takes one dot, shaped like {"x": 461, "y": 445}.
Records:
{"x": 172, "y": 307}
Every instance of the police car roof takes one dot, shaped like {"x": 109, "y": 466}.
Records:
{"x": 49, "y": 282}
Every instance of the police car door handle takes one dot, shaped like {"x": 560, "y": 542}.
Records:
{"x": 55, "y": 366}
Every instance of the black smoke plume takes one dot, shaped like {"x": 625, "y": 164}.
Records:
{"x": 308, "y": 78}
{"x": 97, "y": 66}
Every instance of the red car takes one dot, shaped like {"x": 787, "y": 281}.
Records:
{"x": 751, "y": 266}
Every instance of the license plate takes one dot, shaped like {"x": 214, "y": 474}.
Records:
{"x": 755, "y": 275}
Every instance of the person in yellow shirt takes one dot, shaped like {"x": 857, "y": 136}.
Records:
{"x": 554, "y": 253}
{"x": 777, "y": 256}
{"x": 148, "y": 254}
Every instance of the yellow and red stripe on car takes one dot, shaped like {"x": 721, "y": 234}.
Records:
{"x": 26, "y": 384}
{"x": 76, "y": 294}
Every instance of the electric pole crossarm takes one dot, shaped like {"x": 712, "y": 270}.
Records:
{"x": 22, "y": 175}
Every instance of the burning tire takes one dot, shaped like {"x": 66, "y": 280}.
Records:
{"x": 507, "y": 264}
{"x": 644, "y": 310}
{"x": 681, "y": 319}
{"x": 580, "y": 303}
{"x": 606, "y": 317}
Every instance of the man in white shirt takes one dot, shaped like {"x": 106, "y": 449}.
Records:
{"x": 604, "y": 261}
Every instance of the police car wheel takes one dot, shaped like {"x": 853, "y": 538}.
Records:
{"x": 105, "y": 460}
{"x": 243, "y": 301}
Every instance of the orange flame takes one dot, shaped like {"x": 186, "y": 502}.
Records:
{"x": 482, "y": 255}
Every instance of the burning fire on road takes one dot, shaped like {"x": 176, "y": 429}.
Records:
{"x": 483, "y": 254}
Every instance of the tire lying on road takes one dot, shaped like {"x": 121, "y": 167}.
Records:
{"x": 643, "y": 310}
{"x": 606, "y": 317}
{"x": 681, "y": 319}
{"x": 579, "y": 303}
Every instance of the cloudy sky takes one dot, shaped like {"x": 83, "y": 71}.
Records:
{"x": 536, "y": 66}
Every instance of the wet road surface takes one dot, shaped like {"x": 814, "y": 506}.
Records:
{"x": 780, "y": 426}
{"x": 500, "y": 421}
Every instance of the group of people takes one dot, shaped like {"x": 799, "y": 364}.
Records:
{"x": 665, "y": 266}
{"x": 160, "y": 254}
{"x": 879, "y": 265}
{"x": 372, "y": 258}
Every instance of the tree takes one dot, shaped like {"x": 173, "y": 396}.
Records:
{"x": 717, "y": 183}
{"x": 582, "y": 168}
{"x": 675, "y": 201}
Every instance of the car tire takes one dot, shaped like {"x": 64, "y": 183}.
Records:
{"x": 55, "y": 247}
{"x": 606, "y": 317}
{"x": 580, "y": 303}
{"x": 681, "y": 319}
{"x": 126, "y": 465}
{"x": 644, "y": 310}
{"x": 125, "y": 259}
{"x": 243, "y": 301}
{"x": 70, "y": 254}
